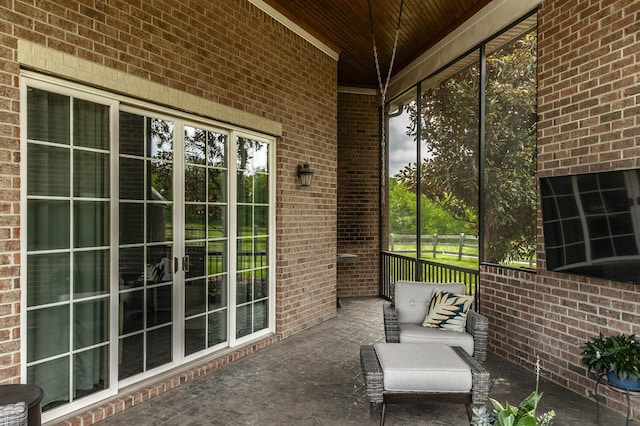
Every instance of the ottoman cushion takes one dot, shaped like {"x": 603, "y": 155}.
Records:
{"x": 416, "y": 367}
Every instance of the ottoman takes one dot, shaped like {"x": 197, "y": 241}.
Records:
{"x": 417, "y": 372}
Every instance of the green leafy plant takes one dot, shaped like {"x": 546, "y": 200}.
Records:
{"x": 508, "y": 415}
{"x": 618, "y": 354}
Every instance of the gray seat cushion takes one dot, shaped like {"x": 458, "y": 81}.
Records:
{"x": 414, "y": 367}
{"x": 416, "y": 333}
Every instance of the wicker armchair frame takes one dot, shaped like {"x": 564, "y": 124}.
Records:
{"x": 477, "y": 326}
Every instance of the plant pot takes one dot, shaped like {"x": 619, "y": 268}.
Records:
{"x": 629, "y": 385}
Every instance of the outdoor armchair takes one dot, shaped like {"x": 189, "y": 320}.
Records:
{"x": 403, "y": 319}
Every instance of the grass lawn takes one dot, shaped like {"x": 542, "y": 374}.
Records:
{"x": 465, "y": 262}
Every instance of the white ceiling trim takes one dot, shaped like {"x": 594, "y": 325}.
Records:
{"x": 357, "y": 90}
{"x": 295, "y": 28}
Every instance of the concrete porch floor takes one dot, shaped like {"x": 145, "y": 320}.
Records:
{"x": 314, "y": 378}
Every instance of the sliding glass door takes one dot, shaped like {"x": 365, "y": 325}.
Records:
{"x": 252, "y": 236}
{"x": 205, "y": 261}
{"x": 173, "y": 242}
{"x": 149, "y": 242}
{"x": 146, "y": 242}
{"x": 68, "y": 252}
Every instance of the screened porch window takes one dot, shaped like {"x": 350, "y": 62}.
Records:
{"x": 462, "y": 158}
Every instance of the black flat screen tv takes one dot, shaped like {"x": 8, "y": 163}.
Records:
{"x": 591, "y": 224}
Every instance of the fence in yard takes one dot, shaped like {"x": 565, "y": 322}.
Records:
{"x": 458, "y": 245}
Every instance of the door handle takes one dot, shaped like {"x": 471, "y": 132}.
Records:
{"x": 175, "y": 265}
{"x": 185, "y": 263}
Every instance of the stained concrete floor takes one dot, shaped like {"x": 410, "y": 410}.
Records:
{"x": 314, "y": 378}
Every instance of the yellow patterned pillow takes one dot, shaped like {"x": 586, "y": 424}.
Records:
{"x": 448, "y": 311}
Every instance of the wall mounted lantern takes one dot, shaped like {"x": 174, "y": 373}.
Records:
{"x": 305, "y": 174}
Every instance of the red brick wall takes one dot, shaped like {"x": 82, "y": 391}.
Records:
{"x": 358, "y": 193}
{"x": 589, "y": 120}
{"x": 9, "y": 212}
{"x": 228, "y": 52}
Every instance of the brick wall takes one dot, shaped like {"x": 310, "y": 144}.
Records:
{"x": 589, "y": 120}
{"x": 227, "y": 52}
{"x": 358, "y": 193}
{"x": 9, "y": 213}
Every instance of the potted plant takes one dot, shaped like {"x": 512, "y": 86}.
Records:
{"x": 617, "y": 356}
{"x": 509, "y": 415}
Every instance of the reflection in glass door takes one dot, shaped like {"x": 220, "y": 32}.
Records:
{"x": 205, "y": 233}
{"x": 252, "y": 237}
{"x": 146, "y": 244}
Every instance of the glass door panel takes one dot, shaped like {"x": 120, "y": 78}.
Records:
{"x": 252, "y": 230}
{"x": 205, "y": 231}
{"x": 68, "y": 252}
{"x": 146, "y": 303}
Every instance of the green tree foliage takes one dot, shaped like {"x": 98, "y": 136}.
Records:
{"x": 402, "y": 217}
{"x": 449, "y": 129}
{"x": 402, "y": 209}
{"x": 160, "y": 133}
{"x": 201, "y": 147}
{"x": 510, "y": 184}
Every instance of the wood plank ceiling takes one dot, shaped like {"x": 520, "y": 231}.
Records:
{"x": 345, "y": 26}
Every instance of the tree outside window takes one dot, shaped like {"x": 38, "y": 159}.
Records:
{"x": 457, "y": 153}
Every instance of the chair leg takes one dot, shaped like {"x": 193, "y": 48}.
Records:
{"x": 373, "y": 409}
{"x": 384, "y": 409}
{"x": 469, "y": 411}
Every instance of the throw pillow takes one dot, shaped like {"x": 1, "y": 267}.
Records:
{"x": 448, "y": 311}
